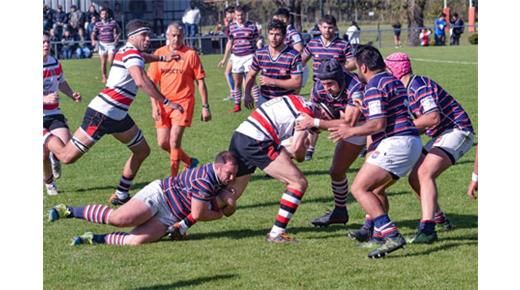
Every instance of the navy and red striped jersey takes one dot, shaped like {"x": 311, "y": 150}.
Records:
{"x": 52, "y": 77}
{"x": 425, "y": 95}
{"x": 337, "y": 48}
{"x": 243, "y": 38}
{"x": 199, "y": 183}
{"x": 385, "y": 97}
{"x": 105, "y": 31}
{"x": 287, "y": 63}
{"x": 292, "y": 36}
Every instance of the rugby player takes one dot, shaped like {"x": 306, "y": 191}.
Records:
{"x": 108, "y": 32}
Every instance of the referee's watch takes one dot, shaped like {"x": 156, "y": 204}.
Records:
{"x": 205, "y": 106}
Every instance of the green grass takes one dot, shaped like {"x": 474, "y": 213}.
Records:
{"x": 231, "y": 253}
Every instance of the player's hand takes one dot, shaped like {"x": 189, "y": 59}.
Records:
{"x": 156, "y": 113}
{"x": 340, "y": 132}
{"x": 175, "y": 106}
{"x": 305, "y": 122}
{"x": 205, "y": 115}
{"x": 472, "y": 189}
{"x": 172, "y": 56}
{"x": 76, "y": 96}
{"x": 266, "y": 81}
{"x": 221, "y": 63}
{"x": 51, "y": 98}
{"x": 248, "y": 101}
{"x": 175, "y": 234}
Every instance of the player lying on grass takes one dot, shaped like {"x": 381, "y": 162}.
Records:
{"x": 197, "y": 194}
{"x": 439, "y": 116}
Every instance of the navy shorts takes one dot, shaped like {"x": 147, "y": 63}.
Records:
{"x": 252, "y": 153}
{"x": 55, "y": 122}
{"x": 96, "y": 124}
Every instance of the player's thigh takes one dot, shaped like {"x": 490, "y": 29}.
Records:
{"x": 110, "y": 57}
{"x": 434, "y": 163}
{"x": 370, "y": 177}
{"x": 133, "y": 213}
{"x": 62, "y": 133}
{"x": 151, "y": 231}
{"x": 344, "y": 155}
{"x": 284, "y": 169}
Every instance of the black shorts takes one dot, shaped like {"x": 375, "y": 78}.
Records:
{"x": 96, "y": 124}
{"x": 252, "y": 153}
{"x": 55, "y": 122}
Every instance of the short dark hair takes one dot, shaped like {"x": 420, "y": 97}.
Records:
{"x": 277, "y": 24}
{"x": 135, "y": 24}
{"x": 45, "y": 33}
{"x": 229, "y": 9}
{"x": 103, "y": 9}
{"x": 329, "y": 19}
{"x": 371, "y": 57}
{"x": 240, "y": 8}
{"x": 282, "y": 11}
{"x": 225, "y": 157}
{"x": 456, "y": 14}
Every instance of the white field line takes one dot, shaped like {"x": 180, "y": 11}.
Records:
{"x": 444, "y": 61}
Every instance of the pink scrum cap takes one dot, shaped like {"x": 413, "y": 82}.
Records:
{"x": 399, "y": 64}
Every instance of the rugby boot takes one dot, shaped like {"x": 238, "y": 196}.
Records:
{"x": 372, "y": 243}
{"x": 194, "y": 162}
{"x": 85, "y": 239}
{"x": 174, "y": 233}
{"x": 51, "y": 188}
{"x": 235, "y": 109}
{"x": 362, "y": 235}
{"x": 115, "y": 200}
{"x": 422, "y": 238}
{"x": 282, "y": 238}
{"x": 58, "y": 211}
{"x": 390, "y": 244}
{"x": 56, "y": 166}
{"x": 444, "y": 226}
{"x": 337, "y": 216}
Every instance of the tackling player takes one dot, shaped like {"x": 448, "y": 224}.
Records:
{"x": 195, "y": 194}
{"x": 107, "y": 113}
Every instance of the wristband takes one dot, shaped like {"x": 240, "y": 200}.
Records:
{"x": 166, "y": 102}
{"x": 474, "y": 177}
{"x": 162, "y": 58}
{"x": 205, "y": 106}
{"x": 316, "y": 123}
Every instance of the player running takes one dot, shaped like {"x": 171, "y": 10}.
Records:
{"x": 442, "y": 118}
{"x": 280, "y": 66}
{"x": 108, "y": 32}
{"x": 107, "y": 113}
{"x": 394, "y": 150}
{"x": 195, "y": 194}
{"x": 242, "y": 45}
{"x": 53, "y": 119}
{"x": 343, "y": 91}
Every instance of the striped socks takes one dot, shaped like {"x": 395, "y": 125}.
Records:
{"x": 340, "y": 191}
{"x": 116, "y": 238}
{"x": 288, "y": 205}
{"x": 95, "y": 213}
{"x": 384, "y": 227}
{"x": 124, "y": 186}
{"x": 439, "y": 217}
{"x": 256, "y": 93}
{"x": 237, "y": 96}
{"x": 427, "y": 227}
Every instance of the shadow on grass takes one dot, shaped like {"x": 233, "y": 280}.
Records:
{"x": 189, "y": 282}
{"x": 459, "y": 221}
{"x": 431, "y": 250}
{"x": 109, "y": 188}
{"x": 305, "y": 172}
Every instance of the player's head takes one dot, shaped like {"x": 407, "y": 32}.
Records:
{"x": 276, "y": 31}
{"x": 283, "y": 15}
{"x": 46, "y": 43}
{"x": 229, "y": 12}
{"x": 226, "y": 166}
{"x": 138, "y": 33}
{"x": 369, "y": 61}
{"x": 327, "y": 26}
{"x": 330, "y": 73}
{"x": 103, "y": 14}
{"x": 175, "y": 35}
{"x": 398, "y": 63}
{"x": 240, "y": 15}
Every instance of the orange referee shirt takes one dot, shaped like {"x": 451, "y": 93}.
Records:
{"x": 176, "y": 78}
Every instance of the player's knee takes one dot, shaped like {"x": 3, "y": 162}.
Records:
{"x": 119, "y": 220}
{"x": 425, "y": 173}
{"x": 164, "y": 144}
{"x": 299, "y": 183}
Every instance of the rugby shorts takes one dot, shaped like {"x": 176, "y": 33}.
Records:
{"x": 106, "y": 48}
{"x": 52, "y": 122}
{"x": 396, "y": 154}
{"x": 96, "y": 124}
{"x": 241, "y": 64}
{"x": 171, "y": 117}
{"x": 252, "y": 153}
{"x": 152, "y": 195}
{"x": 454, "y": 142}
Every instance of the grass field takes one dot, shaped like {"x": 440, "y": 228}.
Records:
{"x": 231, "y": 253}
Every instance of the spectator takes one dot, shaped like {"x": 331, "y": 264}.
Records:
{"x": 457, "y": 28}
{"x": 424, "y": 36}
{"x": 191, "y": 19}
{"x": 67, "y": 44}
{"x": 353, "y": 33}
{"x": 90, "y": 27}
{"x": 397, "y": 34}
{"x": 76, "y": 18}
{"x": 118, "y": 14}
{"x": 48, "y": 15}
{"x": 92, "y": 11}
{"x": 53, "y": 39}
{"x": 83, "y": 50}
{"x": 158, "y": 16}
{"x": 440, "y": 34}
{"x": 60, "y": 21}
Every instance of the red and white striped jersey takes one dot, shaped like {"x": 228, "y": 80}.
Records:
{"x": 52, "y": 77}
{"x": 115, "y": 99}
{"x": 275, "y": 119}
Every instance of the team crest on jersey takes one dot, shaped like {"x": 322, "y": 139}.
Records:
{"x": 47, "y": 84}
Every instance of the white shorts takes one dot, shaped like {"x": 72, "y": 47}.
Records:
{"x": 241, "y": 64}
{"x": 152, "y": 195}
{"x": 455, "y": 142}
{"x": 106, "y": 48}
{"x": 357, "y": 140}
{"x": 397, "y": 154}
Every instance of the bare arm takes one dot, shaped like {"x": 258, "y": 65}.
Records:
{"x": 368, "y": 128}
{"x": 295, "y": 82}
{"x": 203, "y": 92}
{"x": 65, "y": 88}
{"x": 298, "y": 47}
{"x": 227, "y": 52}
{"x": 427, "y": 120}
{"x": 298, "y": 147}
{"x": 250, "y": 82}
{"x": 200, "y": 211}
{"x": 350, "y": 64}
